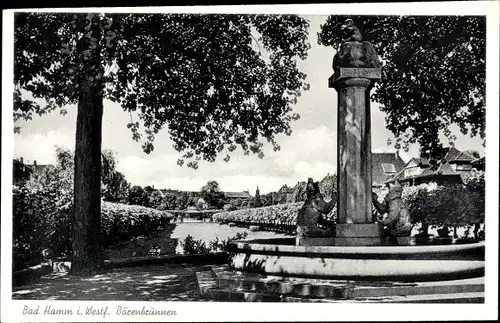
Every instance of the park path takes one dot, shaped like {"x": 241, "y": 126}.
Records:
{"x": 145, "y": 283}
{"x": 166, "y": 282}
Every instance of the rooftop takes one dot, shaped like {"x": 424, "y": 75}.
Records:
{"x": 385, "y": 165}
{"x": 443, "y": 169}
{"x": 243, "y": 194}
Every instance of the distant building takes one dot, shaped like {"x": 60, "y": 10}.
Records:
{"x": 385, "y": 166}
{"x": 165, "y": 192}
{"x": 22, "y": 171}
{"x": 37, "y": 167}
{"x": 230, "y": 196}
{"x": 297, "y": 193}
{"x": 149, "y": 189}
{"x": 451, "y": 170}
{"x": 478, "y": 163}
{"x": 282, "y": 194}
{"x": 237, "y": 195}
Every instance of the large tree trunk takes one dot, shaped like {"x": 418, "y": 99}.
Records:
{"x": 87, "y": 244}
{"x": 86, "y": 233}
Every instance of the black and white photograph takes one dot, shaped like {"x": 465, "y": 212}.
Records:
{"x": 215, "y": 163}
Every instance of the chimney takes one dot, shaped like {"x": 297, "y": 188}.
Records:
{"x": 397, "y": 154}
{"x": 21, "y": 160}
{"x": 34, "y": 162}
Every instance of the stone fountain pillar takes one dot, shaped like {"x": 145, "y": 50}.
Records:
{"x": 356, "y": 68}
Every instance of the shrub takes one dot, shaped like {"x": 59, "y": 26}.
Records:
{"x": 157, "y": 201}
{"x": 192, "y": 247}
{"x": 217, "y": 245}
{"x": 455, "y": 205}
{"x": 42, "y": 219}
{"x": 417, "y": 200}
{"x": 447, "y": 206}
{"x": 475, "y": 183}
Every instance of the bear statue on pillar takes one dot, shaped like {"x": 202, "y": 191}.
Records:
{"x": 353, "y": 52}
{"x": 356, "y": 69}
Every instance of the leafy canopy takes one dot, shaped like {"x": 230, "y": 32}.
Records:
{"x": 215, "y": 81}
{"x": 211, "y": 187}
{"x": 212, "y": 194}
{"x": 60, "y": 177}
{"x": 138, "y": 196}
{"x": 433, "y": 74}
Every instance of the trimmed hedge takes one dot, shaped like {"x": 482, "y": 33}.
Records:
{"x": 279, "y": 218}
{"x": 121, "y": 222}
{"x": 42, "y": 219}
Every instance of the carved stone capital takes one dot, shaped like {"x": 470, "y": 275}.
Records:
{"x": 340, "y": 83}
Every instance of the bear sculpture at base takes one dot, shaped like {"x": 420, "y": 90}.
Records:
{"x": 311, "y": 215}
{"x": 397, "y": 222}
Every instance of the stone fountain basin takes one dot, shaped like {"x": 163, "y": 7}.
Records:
{"x": 429, "y": 262}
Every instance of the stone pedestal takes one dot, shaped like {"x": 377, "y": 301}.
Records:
{"x": 354, "y": 170}
{"x": 359, "y": 234}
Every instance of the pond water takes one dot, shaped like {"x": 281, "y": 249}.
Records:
{"x": 207, "y": 232}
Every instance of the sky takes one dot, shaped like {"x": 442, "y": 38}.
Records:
{"x": 310, "y": 151}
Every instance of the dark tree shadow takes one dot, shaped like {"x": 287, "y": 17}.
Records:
{"x": 151, "y": 283}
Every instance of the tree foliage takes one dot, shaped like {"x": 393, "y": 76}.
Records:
{"x": 328, "y": 186}
{"x": 476, "y": 184}
{"x": 114, "y": 186}
{"x": 216, "y": 81}
{"x": 433, "y": 74}
{"x": 267, "y": 199}
{"x": 202, "y": 76}
{"x": 156, "y": 200}
{"x": 254, "y": 202}
{"x": 40, "y": 219}
{"x": 449, "y": 205}
{"x": 212, "y": 194}
{"x": 201, "y": 204}
{"x": 138, "y": 196}
{"x": 59, "y": 176}
{"x": 172, "y": 201}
